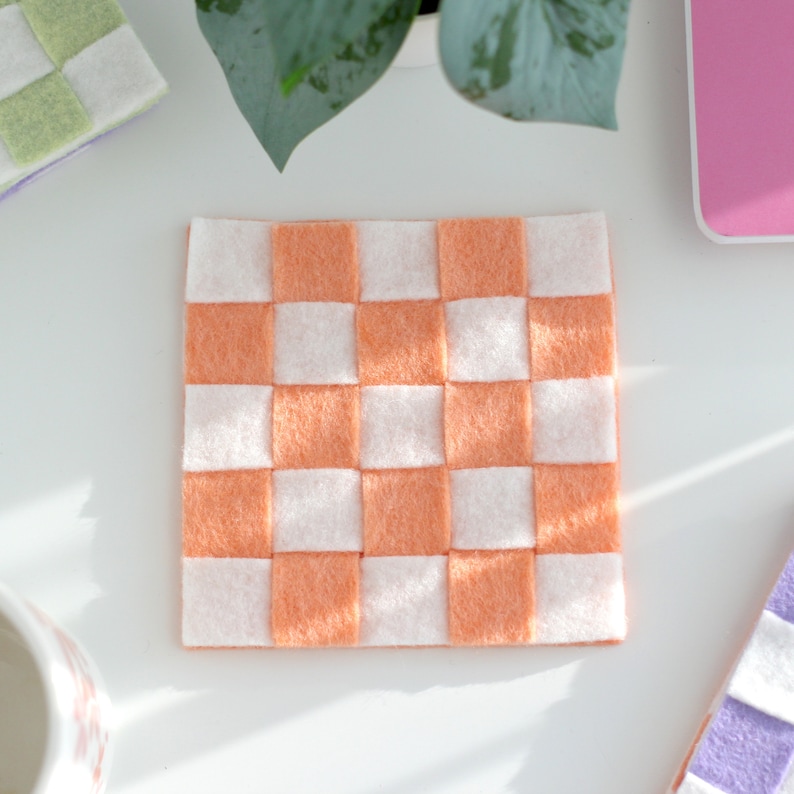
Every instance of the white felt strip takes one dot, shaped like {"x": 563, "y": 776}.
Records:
{"x": 228, "y": 427}
{"x": 691, "y": 784}
{"x": 487, "y": 339}
{"x": 404, "y": 601}
{"x": 23, "y": 60}
{"x": 114, "y": 78}
{"x": 225, "y": 602}
{"x": 398, "y": 260}
{"x": 317, "y": 510}
{"x": 579, "y": 598}
{"x": 574, "y": 421}
{"x": 764, "y": 677}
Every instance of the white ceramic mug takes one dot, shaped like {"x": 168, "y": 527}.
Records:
{"x": 54, "y": 711}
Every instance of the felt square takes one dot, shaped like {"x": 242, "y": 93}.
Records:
{"x": 482, "y": 257}
{"x": 487, "y": 339}
{"x": 229, "y": 343}
{"x": 315, "y": 599}
{"x": 691, "y": 784}
{"x": 225, "y": 603}
{"x": 406, "y": 512}
{"x": 487, "y": 424}
{"x": 577, "y": 509}
{"x": 781, "y": 602}
{"x": 315, "y": 262}
{"x": 492, "y": 508}
{"x": 580, "y": 598}
{"x": 24, "y": 61}
{"x": 491, "y": 597}
{"x": 398, "y": 260}
{"x": 404, "y": 601}
{"x": 229, "y": 261}
{"x": 402, "y": 427}
{"x": 574, "y": 421}
{"x": 41, "y": 118}
{"x": 226, "y": 513}
{"x": 317, "y": 510}
{"x": 568, "y": 255}
{"x": 315, "y": 427}
{"x": 572, "y": 337}
{"x": 114, "y": 78}
{"x": 315, "y": 343}
{"x": 227, "y": 427}
{"x": 764, "y": 677}
{"x": 401, "y": 343}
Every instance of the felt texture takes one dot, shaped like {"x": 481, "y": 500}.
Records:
{"x": 315, "y": 343}
{"x": 404, "y": 601}
{"x": 227, "y": 513}
{"x": 488, "y": 424}
{"x": 574, "y": 421}
{"x": 580, "y": 598}
{"x": 406, "y": 512}
{"x": 317, "y": 510}
{"x": 315, "y": 599}
{"x": 493, "y": 508}
{"x": 225, "y": 602}
{"x": 781, "y": 602}
{"x": 398, "y": 260}
{"x": 401, "y": 342}
{"x": 482, "y": 257}
{"x": 315, "y": 427}
{"x": 229, "y": 261}
{"x": 7, "y": 165}
{"x": 229, "y": 343}
{"x": 787, "y": 784}
{"x": 692, "y": 784}
{"x": 315, "y": 262}
{"x": 572, "y": 337}
{"x": 402, "y": 427}
{"x": 491, "y": 597}
{"x": 24, "y": 60}
{"x": 577, "y": 509}
{"x": 487, "y": 339}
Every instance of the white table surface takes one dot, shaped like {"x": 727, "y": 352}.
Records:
{"x": 91, "y": 268}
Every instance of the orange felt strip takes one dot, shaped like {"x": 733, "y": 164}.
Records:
{"x": 572, "y": 337}
{"x": 487, "y": 424}
{"x": 315, "y": 599}
{"x": 226, "y": 513}
{"x": 315, "y": 427}
{"x": 403, "y": 342}
{"x": 315, "y": 262}
{"x": 229, "y": 343}
{"x": 491, "y": 597}
{"x": 406, "y": 512}
{"x": 482, "y": 257}
{"x": 576, "y": 509}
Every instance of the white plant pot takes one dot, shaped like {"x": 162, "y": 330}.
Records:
{"x": 420, "y": 47}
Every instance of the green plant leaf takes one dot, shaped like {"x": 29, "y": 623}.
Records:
{"x": 550, "y": 60}
{"x": 237, "y": 31}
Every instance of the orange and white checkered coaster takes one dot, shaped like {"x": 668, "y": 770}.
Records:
{"x": 401, "y": 433}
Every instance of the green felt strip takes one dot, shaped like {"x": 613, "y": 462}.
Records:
{"x": 41, "y": 118}
{"x": 66, "y": 27}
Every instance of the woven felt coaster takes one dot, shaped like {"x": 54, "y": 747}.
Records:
{"x": 401, "y": 434}
{"x": 746, "y": 742}
{"x": 70, "y": 70}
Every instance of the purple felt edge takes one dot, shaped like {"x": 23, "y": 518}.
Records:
{"x": 781, "y": 602}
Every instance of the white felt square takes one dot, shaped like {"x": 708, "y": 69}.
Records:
{"x": 574, "y": 421}
{"x": 398, "y": 260}
{"x": 579, "y": 598}
{"x": 493, "y": 508}
{"x": 487, "y": 339}
{"x": 691, "y": 784}
{"x": 315, "y": 343}
{"x": 225, "y": 602}
{"x": 317, "y": 510}
{"x": 402, "y": 427}
{"x": 8, "y": 168}
{"x": 228, "y": 427}
{"x": 764, "y": 677}
{"x": 23, "y": 60}
{"x": 114, "y": 78}
{"x": 229, "y": 262}
{"x": 568, "y": 255}
{"x": 404, "y": 601}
